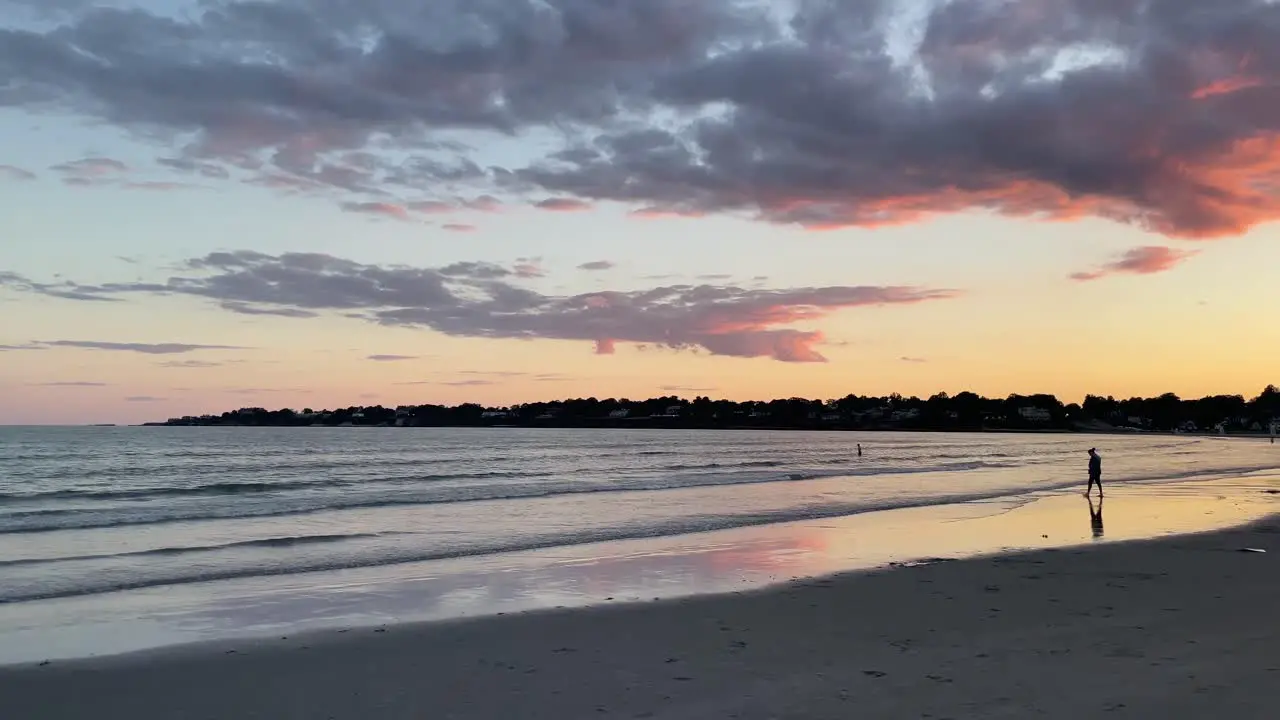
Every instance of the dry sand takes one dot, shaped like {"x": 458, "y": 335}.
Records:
{"x": 1177, "y": 628}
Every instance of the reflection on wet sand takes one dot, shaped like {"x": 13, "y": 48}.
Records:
{"x": 626, "y": 571}
{"x": 1095, "y": 517}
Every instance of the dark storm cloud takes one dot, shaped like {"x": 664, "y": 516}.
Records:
{"x": 1164, "y": 114}
{"x": 476, "y": 299}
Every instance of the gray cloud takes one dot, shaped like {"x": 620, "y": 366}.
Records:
{"x": 563, "y": 204}
{"x": 815, "y": 112}
{"x": 73, "y": 383}
{"x": 907, "y": 359}
{"x": 144, "y": 399}
{"x": 190, "y": 364}
{"x": 392, "y": 358}
{"x": 15, "y": 173}
{"x": 476, "y": 299}
{"x": 144, "y": 348}
{"x": 66, "y": 291}
{"x": 596, "y": 265}
{"x": 247, "y": 309}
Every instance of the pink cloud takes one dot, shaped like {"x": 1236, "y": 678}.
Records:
{"x": 383, "y": 209}
{"x": 1146, "y": 260}
{"x": 563, "y": 204}
{"x": 433, "y": 207}
{"x": 529, "y": 269}
{"x": 92, "y": 167}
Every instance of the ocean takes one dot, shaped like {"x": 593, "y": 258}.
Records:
{"x": 90, "y": 511}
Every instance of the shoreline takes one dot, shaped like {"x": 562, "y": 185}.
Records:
{"x": 615, "y": 572}
{"x": 1174, "y": 627}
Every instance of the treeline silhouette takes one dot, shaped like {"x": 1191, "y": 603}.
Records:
{"x": 963, "y": 411}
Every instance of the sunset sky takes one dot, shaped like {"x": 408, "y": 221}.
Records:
{"x": 212, "y": 204}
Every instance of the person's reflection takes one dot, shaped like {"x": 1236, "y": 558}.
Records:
{"x": 1095, "y": 518}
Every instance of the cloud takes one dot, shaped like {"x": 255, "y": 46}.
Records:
{"x": 384, "y": 209}
{"x": 917, "y": 360}
{"x": 459, "y": 227}
{"x": 686, "y": 389}
{"x": 823, "y": 114}
{"x": 190, "y": 364}
{"x": 144, "y": 348}
{"x": 391, "y": 358}
{"x": 264, "y": 391}
{"x": 10, "y": 172}
{"x": 596, "y": 265}
{"x": 247, "y": 309}
{"x": 157, "y": 185}
{"x": 1145, "y": 260}
{"x": 480, "y": 300}
{"x": 563, "y": 205}
{"x": 72, "y": 383}
{"x": 529, "y": 269}
{"x": 66, "y": 291}
{"x": 144, "y": 399}
{"x": 433, "y": 206}
{"x": 91, "y": 170}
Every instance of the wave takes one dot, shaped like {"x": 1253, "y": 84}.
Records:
{"x": 238, "y": 488}
{"x": 276, "y": 542}
{"x": 80, "y": 518}
{"x": 88, "y": 583}
{"x": 180, "y": 565}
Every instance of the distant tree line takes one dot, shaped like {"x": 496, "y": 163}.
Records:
{"x": 963, "y": 411}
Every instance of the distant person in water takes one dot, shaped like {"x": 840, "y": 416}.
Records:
{"x": 859, "y": 449}
{"x": 1095, "y": 472}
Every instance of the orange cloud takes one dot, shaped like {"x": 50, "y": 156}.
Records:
{"x": 1226, "y": 86}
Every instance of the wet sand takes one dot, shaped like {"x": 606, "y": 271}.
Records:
{"x": 1182, "y": 627}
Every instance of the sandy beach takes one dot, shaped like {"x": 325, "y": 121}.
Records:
{"x": 1181, "y": 627}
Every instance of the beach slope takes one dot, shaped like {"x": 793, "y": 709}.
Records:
{"x": 1178, "y": 628}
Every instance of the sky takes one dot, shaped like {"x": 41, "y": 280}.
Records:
{"x": 210, "y": 204}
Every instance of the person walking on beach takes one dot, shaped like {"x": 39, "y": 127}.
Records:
{"x": 1095, "y": 472}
